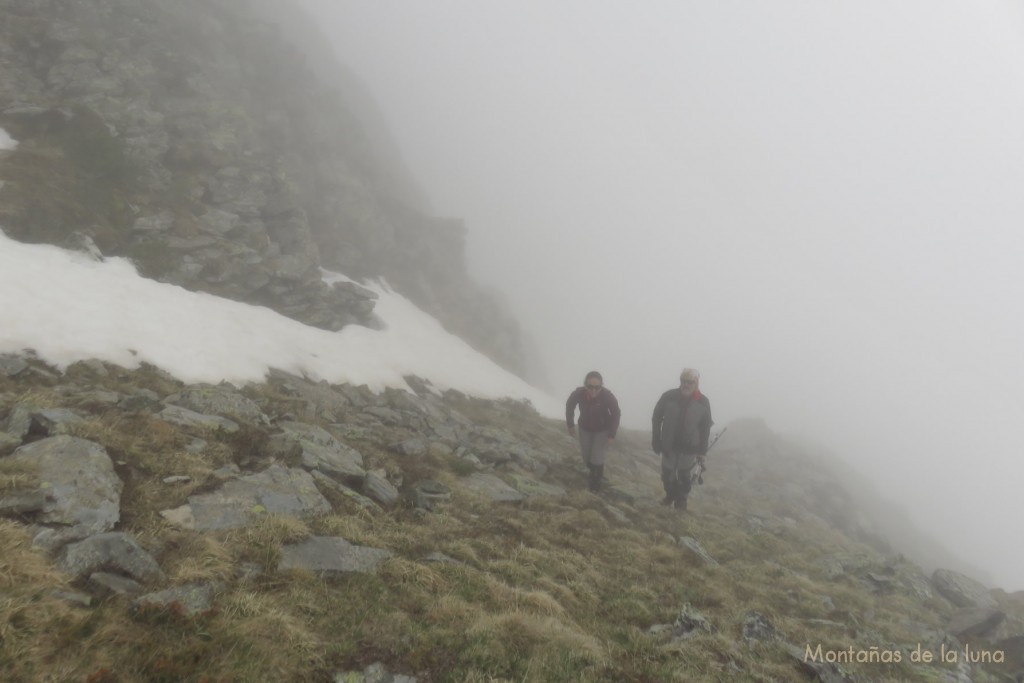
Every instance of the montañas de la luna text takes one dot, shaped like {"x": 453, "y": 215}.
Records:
{"x": 877, "y": 655}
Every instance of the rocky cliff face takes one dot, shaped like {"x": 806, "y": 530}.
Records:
{"x": 197, "y": 139}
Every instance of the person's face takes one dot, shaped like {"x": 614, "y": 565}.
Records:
{"x": 687, "y": 385}
{"x": 593, "y": 386}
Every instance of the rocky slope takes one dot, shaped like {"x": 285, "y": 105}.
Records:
{"x": 196, "y": 138}
{"x": 295, "y": 531}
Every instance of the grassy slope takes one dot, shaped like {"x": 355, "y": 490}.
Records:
{"x": 549, "y": 590}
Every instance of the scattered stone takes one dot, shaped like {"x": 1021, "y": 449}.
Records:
{"x": 491, "y": 487}
{"x": 758, "y": 629}
{"x": 336, "y": 486}
{"x": 414, "y": 448}
{"x": 229, "y": 471}
{"x": 331, "y": 555}
{"x": 191, "y": 599}
{"x": 688, "y": 624}
{"x": 183, "y": 417}
{"x": 52, "y": 540}
{"x": 177, "y": 479}
{"x": 385, "y": 415}
{"x": 377, "y": 487}
{"x": 961, "y": 590}
{"x": 975, "y": 622}
{"x": 23, "y": 502}
{"x": 78, "y": 480}
{"x": 196, "y": 446}
{"x": 109, "y": 550}
{"x": 342, "y": 462}
{"x": 54, "y": 421}
{"x": 428, "y": 494}
{"x": 691, "y": 544}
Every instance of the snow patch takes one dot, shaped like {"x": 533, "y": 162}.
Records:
{"x": 6, "y": 141}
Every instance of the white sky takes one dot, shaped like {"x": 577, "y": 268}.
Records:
{"x": 6, "y": 141}
{"x": 816, "y": 204}
{"x": 67, "y": 307}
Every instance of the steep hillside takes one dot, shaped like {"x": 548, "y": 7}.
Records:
{"x": 195, "y": 138}
{"x": 300, "y": 531}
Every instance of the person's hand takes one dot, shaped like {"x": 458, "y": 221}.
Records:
{"x": 701, "y": 459}
{"x": 572, "y": 431}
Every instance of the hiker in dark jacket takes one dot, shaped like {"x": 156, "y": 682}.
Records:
{"x": 681, "y": 427}
{"x": 599, "y": 420}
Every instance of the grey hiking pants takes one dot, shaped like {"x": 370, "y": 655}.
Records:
{"x": 593, "y": 446}
{"x": 675, "y": 474}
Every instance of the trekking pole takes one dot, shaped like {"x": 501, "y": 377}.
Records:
{"x": 698, "y": 476}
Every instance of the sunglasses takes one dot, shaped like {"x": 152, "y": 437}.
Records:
{"x": 594, "y": 387}
{"x": 687, "y": 381}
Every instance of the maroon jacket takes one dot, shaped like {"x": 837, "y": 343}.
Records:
{"x": 597, "y": 413}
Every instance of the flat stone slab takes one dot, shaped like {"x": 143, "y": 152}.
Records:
{"x": 217, "y": 400}
{"x": 192, "y": 599}
{"x": 975, "y": 622}
{"x": 319, "y": 450}
{"x": 694, "y": 547}
{"x": 328, "y": 555}
{"x": 276, "y": 490}
{"x": 491, "y": 487}
{"x": 78, "y": 480}
{"x": 183, "y": 417}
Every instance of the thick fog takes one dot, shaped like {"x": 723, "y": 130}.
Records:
{"x": 818, "y": 205}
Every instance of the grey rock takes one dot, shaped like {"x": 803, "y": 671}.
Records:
{"x": 331, "y": 555}
{"x": 78, "y": 479}
{"x": 19, "y": 422}
{"x": 218, "y": 400}
{"x": 691, "y": 544}
{"x": 336, "y": 486}
{"x": 961, "y": 590}
{"x": 197, "y": 446}
{"x": 177, "y": 479}
{"x": 276, "y": 490}
{"x": 54, "y": 421}
{"x": 385, "y": 415}
{"x": 111, "y": 550}
{"x": 491, "y": 487}
{"x": 688, "y": 624}
{"x": 415, "y": 448}
{"x": 114, "y": 584}
{"x": 229, "y": 471}
{"x": 428, "y": 494}
{"x": 183, "y": 417}
{"x": 159, "y": 222}
{"x": 142, "y": 399}
{"x": 12, "y": 366}
{"x": 191, "y": 599}
{"x": 342, "y": 462}
{"x": 975, "y": 622}
{"x": 377, "y": 486}
{"x": 22, "y": 502}
{"x": 52, "y": 540}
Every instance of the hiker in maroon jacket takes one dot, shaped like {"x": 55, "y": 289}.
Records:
{"x": 599, "y": 420}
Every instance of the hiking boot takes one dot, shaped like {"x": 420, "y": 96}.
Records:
{"x": 667, "y": 500}
{"x": 681, "y": 505}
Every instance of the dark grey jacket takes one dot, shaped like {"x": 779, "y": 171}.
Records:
{"x": 681, "y": 424}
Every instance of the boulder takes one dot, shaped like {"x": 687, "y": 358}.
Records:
{"x": 12, "y": 366}
{"x": 428, "y": 494}
{"x": 961, "y": 590}
{"x": 183, "y": 417}
{"x": 191, "y": 599}
{"x": 78, "y": 480}
{"x": 975, "y": 622}
{"x": 112, "y": 550}
{"x": 276, "y": 490}
{"x": 377, "y": 487}
{"x": 218, "y": 400}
